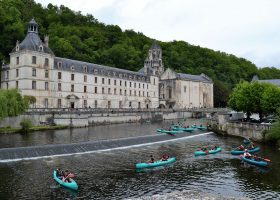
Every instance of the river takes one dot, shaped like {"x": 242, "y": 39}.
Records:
{"x": 111, "y": 174}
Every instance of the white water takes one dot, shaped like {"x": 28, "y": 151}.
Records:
{"x": 104, "y": 150}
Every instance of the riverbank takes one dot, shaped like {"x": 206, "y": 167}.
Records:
{"x": 10, "y": 130}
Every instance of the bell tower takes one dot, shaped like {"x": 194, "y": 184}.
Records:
{"x": 153, "y": 64}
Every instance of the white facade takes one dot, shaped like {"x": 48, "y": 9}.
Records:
{"x": 64, "y": 83}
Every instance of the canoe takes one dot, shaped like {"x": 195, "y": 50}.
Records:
{"x": 202, "y": 127}
{"x": 72, "y": 185}
{"x": 254, "y": 162}
{"x": 238, "y": 152}
{"x": 168, "y": 132}
{"x": 155, "y": 164}
{"x": 203, "y": 153}
{"x": 183, "y": 129}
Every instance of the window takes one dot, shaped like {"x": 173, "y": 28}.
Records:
{"x": 59, "y": 103}
{"x": 16, "y": 84}
{"x": 143, "y": 86}
{"x": 72, "y": 77}
{"x": 109, "y": 90}
{"x": 46, "y": 73}
{"x": 120, "y": 91}
{"x": 59, "y": 75}
{"x": 120, "y": 83}
{"x": 85, "y": 68}
{"x": 46, "y": 62}
{"x": 85, "y": 103}
{"x": 143, "y": 93}
{"x": 139, "y": 94}
{"x": 17, "y": 72}
{"x": 129, "y": 84}
{"x": 139, "y": 85}
{"x": 147, "y": 94}
{"x": 109, "y": 81}
{"x": 147, "y": 86}
{"x": 154, "y": 81}
{"x": 95, "y": 103}
{"x": 33, "y": 72}
{"x": 120, "y": 104}
{"x": 72, "y": 88}
{"x": 17, "y": 60}
{"x": 103, "y": 91}
{"x": 59, "y": 64}
{"x": 115, "y": 82}
{"x": 7, "y": 75}
{"x": 59, "y": 87}
{"x": 129, "y": 92}
{"x": 115, "y": 91}
{"x": 95, "y": 79}
{"x": 124, "y": 92}
{"x": 34, "y": 85}
{"x": 7, "y": 85}
{"x": 134, "y": 93}
{"x": 85, "y": 88}
{"x": 103, "y": 80}
{"x": 33, "y": 59}
{"x": 185, "y": 89}
{"x": 46, "y": 103}
{"x": 134, "y": 85}
{"x": 125, "y": 83}
{"x": 95, "y": 90}
{"x": 85, "y": 78}
{"x": 130, "y": 104}
{"x": 46, "y": 85}
{"x": 139, "y": 104}
{"x": 109, "y": 104}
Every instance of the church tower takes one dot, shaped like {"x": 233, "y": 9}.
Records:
{"x": 153, "y": 64}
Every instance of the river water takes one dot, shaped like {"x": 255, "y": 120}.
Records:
{"x": 111, "y": 174}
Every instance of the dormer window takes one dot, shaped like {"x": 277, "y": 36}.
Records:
{"x": 120, "y": 75}
{"x": 95, "y": 71}
{"x": 17, "y": 48}
{"x": 85, "y": 68}
{"x": 41, "y": 48}
{"x": 72, "y": 68}
{"x": 59, "y": 64}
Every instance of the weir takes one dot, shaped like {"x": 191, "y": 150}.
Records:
{"x": 38, "y": 152}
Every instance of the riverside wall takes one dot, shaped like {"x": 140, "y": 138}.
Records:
{"x": 225, "y": 126}
{"x": 77, "y": 118}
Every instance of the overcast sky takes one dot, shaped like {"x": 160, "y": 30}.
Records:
{"x": 246, "y": 28}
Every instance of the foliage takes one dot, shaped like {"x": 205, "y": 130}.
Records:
{"x": 273, "y": 134}
{"x": 82, "y": 37}
{"x": 25, "y": 124}
{"x": 255, "y": 97}
{"x": 11, "y": 103}
{"x": 29, "y": 99}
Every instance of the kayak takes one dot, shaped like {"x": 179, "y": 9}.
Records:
{"x": 203, "y": 153}
{"x": 183, "y": 129}
{"x": 238, "y": 152}
{"x": 155, "y": 164}
{"x": 252, "y": 161}
{"x": 202, "y": 127}
{"x": 168, "y": 132}
{"x": 72, "y": 185}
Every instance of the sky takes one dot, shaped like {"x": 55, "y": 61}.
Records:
{"x": 245, "y": 28}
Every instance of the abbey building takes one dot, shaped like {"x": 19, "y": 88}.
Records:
{"x": 65, "y": 83}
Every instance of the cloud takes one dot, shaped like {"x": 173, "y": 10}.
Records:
{"x": 249, "y": 29}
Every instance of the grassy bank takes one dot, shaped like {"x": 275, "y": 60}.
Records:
{"x": 32, "y": 129}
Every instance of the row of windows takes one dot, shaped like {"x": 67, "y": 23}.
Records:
{"x": 85, "y": 104}
{"x": 34, "y": 61}
{"x": 59, "y": 76}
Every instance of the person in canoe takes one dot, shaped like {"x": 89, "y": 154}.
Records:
{"x": 165, "y": 157}
{"x": 59, "y": 173}
{"x": 215, "y": 147}
{"x": 252, "y": 145}
{"x": 247, "y": 154}
{"x": 152, "y": 160}
{"x": 241, "y": 148}
{"x": 67, "y": 176}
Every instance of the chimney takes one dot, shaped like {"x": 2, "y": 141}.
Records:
{"x": 46, "y": 40}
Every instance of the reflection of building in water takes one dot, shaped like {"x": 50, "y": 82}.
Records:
{"x": 60, "y": 82}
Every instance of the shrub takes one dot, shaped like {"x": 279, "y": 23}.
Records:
{"x": 25, "y": 124}
{"x": 273, "y": 135}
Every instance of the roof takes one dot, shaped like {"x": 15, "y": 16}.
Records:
{"x": 273, "y": 81}
{"x": 155, "y": 45}
{"x": 201, "y": 77}
{"x": 67, "y": 64}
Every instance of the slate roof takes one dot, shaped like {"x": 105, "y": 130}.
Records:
{"x": 202, "y": 77}
{"x": 92, "y": 68}
{"x": 155, "y": 45}
{"x": 273, "y": 81}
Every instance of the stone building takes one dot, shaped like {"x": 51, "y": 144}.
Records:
{"x": 65, "y": 83}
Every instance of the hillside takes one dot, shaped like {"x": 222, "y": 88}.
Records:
{"x": 82, "y": 37}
